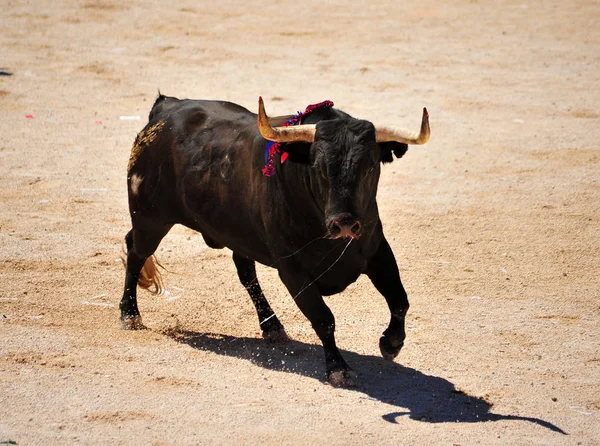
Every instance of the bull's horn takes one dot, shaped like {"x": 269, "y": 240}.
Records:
{"x": 297, "y": 133}
{"x": 386, "y": 134}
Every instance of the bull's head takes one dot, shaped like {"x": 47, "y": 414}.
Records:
{"x": 346, "y": 154}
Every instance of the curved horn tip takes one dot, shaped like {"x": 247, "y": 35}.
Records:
{"x": 425, "y": 128}
{"x": 262, "y": 114}
{"x": 425, "y": 118}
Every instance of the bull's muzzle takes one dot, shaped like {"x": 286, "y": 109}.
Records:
{"x": 344, "y": 225}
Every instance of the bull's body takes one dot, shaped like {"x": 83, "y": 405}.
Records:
{"x": 198, "y": 163}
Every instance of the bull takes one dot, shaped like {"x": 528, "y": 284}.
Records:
{"x": 315, "y": 219}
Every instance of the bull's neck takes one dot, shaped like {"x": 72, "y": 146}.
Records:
{"x": 301, "y": 189}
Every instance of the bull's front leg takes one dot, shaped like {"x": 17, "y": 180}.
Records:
{"x": 312, "y": 305}
{"x": 383, "y": 272}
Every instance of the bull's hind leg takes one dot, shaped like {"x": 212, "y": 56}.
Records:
{"x": 141, "y": 244}
{"x": 271, "y": 327}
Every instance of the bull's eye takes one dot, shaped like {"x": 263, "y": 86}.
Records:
{"x": 321, "y": 169}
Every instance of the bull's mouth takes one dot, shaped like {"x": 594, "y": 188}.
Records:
{"x": 344, "y": 225}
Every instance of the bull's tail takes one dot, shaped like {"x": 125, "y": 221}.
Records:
{"x": 150, "y": 276}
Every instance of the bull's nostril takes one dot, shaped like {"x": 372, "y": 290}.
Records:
{"x": 335, "y": 229}
{"x": 344, "y": 225}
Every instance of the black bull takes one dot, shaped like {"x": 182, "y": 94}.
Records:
{"x": 198, "y": 163}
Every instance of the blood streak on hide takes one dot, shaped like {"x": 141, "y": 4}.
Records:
{"x": 143, "y": 140}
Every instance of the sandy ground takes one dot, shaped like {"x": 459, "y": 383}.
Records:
{"x": 495, "y": 224}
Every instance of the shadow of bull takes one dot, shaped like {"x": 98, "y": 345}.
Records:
{"x": 422, "y": 397}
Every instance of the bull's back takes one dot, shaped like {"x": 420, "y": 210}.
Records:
{"x": 196, "y": 163}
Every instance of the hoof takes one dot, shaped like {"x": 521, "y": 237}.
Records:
{"x": 132, "y": 323}
{"x": 343, "y": 378}
{"x": 276, "y": 336}
{"x": 388, "y": 350}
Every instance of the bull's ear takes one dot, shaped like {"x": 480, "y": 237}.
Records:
{"x": 298, "y": 152}
{"x": 387, "y": 148}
